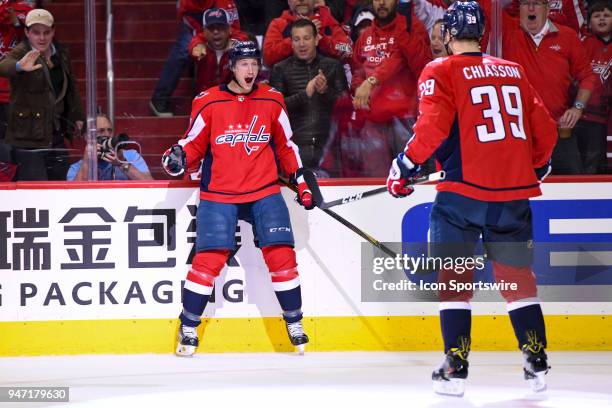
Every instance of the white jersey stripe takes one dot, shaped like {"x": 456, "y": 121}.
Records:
{"x": 194, "y": 131}
{"x": 283, "y": 119}
{"x": 578, "y": 12}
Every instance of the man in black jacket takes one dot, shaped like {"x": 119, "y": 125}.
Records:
{"x": 310, "y": 83}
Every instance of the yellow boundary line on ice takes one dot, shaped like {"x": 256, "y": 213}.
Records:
{"x": 373, "y": 333}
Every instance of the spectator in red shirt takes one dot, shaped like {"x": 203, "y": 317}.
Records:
{"x": 570, "y": 13}
{"x": 591, "y": 129}
{"x": 190, "y": 13}
{"x": 391, "y": 113}
{"x": 343, "y": 158}
{"x": 12, "y": 22}
{"x": 411, "y": 48}
{"x": 553, "y": 58}
{"x": 333, "y": 42}
{"x": 210, "y": 49}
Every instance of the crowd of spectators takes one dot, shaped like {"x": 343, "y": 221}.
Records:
{"x": 347, "y": 68}
{"x": 349, "y": 77}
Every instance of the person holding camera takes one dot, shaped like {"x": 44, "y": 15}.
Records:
{"x": 114, "y": 162}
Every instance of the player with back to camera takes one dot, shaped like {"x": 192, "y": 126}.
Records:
{"x": 493, "y": 136}
{"x": 238, "y": 129}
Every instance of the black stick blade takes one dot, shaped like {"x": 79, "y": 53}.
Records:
{"x": 311, "y": 180}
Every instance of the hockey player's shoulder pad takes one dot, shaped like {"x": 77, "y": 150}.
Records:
{"x": 204, "y": 98}
{"x": 274, "y": 90}
{"x": 202, "y": 95}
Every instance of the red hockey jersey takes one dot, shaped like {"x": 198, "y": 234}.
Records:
{"x": 487, "y": 125}
{"x": 334, "y": 42}
{"x": 600, "y": 55}
{"x": 10, "y": 35}
{"x": 396, "y": 96}
{"x": 239, "y": 136}
{"x": 411, "y": 48}
{"x": 191, "y": 11}
{"x": 570, "y": 13}
{"x": 551, "y": 66}
{"x": 210, "y": 70}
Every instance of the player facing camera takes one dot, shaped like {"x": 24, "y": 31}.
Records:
{"x": 245, "y": 60}
{"x": 242, "y": 131}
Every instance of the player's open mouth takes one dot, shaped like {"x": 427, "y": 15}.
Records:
{"x": 248, "y": 80}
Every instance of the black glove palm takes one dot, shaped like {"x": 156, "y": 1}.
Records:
{"x": 174, "y": 160}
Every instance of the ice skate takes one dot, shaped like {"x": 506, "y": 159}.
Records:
{"x": 187, "y": 341}
{"x": 535, "y": 365}
{"x": 449, "y": 378}
{"x": 297, "y": 336}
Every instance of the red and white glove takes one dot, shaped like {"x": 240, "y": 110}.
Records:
{"x": 304, "y": 197}
{"x": 401, "y": 171}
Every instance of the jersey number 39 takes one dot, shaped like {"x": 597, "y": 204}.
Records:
{"x": 512, "y": 104}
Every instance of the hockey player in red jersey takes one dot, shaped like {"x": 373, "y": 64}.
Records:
{"x": 238, "y": 129}
{"x": 493, "y": 137}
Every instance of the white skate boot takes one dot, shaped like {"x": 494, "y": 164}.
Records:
{"x": 187, "y": 341}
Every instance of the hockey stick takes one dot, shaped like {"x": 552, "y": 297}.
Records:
{"x": 313, "y": 184}
{"x": 346, "y": 223}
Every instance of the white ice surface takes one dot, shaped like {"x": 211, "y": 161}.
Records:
{"x": 316, "y": 380}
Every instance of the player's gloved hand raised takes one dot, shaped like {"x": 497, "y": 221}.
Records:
{"x": 304, "y": 197}
{"x": 543, "y": 172}
{"x": 174, "y": 161}
{"x": 401, "y": 171}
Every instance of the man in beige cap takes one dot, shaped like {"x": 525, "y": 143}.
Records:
{"x": 40, "y": 31}
{"x": 45, "y": 105}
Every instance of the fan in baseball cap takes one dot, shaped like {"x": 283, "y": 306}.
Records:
{"x": 39, "y": 16}
{"x": 364, "y": 15}
{"x": 215, "y": 16}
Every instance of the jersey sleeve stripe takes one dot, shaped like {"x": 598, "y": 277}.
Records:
{"x": 296, "y": 151}
{"x": 578, "y": 12}
{"x": 283, "y": 119}
{"x": 195, "y": 129}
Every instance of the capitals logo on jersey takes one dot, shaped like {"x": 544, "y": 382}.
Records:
{"x": 603, "y": 69}
{"x": 238, "y": 134}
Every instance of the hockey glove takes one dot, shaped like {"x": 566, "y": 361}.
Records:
{"x": 174, "y": 161}
{"x": 304, "y": 197}
{"x": 401, "y": 171}
{"x": 543, "y": 172}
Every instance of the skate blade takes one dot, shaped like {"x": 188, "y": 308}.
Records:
{"x": 455, "y": 387}
{"x": 300, "y": 349}
{"x": 538, "y": 383}
{"x": 185, "y": 351}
